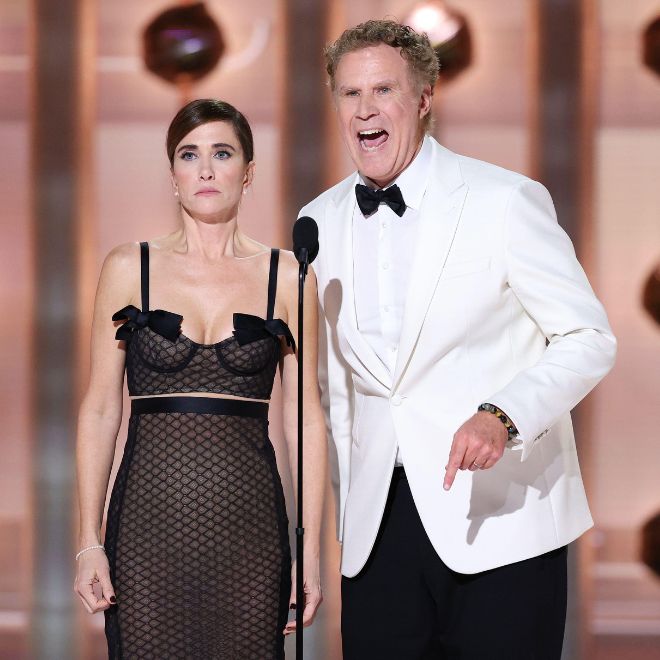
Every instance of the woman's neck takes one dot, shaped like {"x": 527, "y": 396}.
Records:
{"x": 211, "y": 239}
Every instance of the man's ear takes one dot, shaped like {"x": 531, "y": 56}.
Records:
{"x": 425, "y": 100}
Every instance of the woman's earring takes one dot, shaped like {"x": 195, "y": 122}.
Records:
{"x": 176, "y": 193}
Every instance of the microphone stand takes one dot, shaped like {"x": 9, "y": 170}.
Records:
{"x": 300, "y": 530}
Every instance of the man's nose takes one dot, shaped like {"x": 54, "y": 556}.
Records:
{"x": 367, "y": 107}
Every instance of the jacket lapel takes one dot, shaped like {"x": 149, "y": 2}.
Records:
{"x": 338, "y": 244}
{"x": 439, "y": 218}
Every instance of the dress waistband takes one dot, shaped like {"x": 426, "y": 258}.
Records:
{"x": 199, "y": 404}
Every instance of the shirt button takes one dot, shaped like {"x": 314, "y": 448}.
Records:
{"x": 393, "y": 348}
{"x": 383, "y": 225}
{"x": 386, "y": 308}
{"x": 396, "y": 400}
{"x": 385, "y": 266}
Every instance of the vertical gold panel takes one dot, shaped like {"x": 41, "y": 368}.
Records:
{"x": 86, "y": 239}
{"x": 584, "y": 428}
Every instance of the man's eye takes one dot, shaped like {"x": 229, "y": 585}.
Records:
{"x": 384, "y": 90}
{"x": 351, "y": 92}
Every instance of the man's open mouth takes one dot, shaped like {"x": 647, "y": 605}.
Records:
{"x": 372, "y": 138}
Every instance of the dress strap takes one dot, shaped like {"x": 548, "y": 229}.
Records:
{"x": 272, "y": 282}
{"x": 144, "y": 274}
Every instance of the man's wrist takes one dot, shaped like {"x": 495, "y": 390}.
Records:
{"x": 510, "y": 427}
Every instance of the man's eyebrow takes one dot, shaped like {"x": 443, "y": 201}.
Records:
{"x": 387, "y": 82}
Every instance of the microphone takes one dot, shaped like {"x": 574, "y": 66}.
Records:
{"x": 305, "y": 240}
{"x": 305, "y": 249}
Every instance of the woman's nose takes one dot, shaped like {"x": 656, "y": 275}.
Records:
{"x": 206, "y": 172}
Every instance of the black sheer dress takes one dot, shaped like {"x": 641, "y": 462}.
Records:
{"x": 196, "y": 533}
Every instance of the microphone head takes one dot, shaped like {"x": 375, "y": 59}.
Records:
{"x": 305, "y": 235}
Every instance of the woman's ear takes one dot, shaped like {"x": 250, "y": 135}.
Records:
{"x": 249, "y": 176}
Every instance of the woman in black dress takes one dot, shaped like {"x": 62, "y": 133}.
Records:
{"x": 196, "y": 561}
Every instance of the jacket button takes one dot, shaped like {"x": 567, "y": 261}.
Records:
{"x": 396, "y": 400}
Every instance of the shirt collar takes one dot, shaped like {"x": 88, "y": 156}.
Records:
{"x": 412, "y": 181}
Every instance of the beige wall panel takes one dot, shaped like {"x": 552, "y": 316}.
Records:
{"x": 630, "y": 92}
{"x": 16, "y": 295}
{"x": 626, "y": 446}
{"x": 135, "y": 200}
{"x": 505, "y": 146}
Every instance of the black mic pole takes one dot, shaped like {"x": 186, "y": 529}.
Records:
{"x": 300, "y": 530}
{"x": 305, "y": 249}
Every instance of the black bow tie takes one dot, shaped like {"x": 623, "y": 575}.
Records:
{"x": 368, "y": 200}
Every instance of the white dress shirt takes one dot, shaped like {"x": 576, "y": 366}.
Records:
{"x": 383, "y": 249}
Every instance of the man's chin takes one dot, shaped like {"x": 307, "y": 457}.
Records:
{"x": 381, "y": 176}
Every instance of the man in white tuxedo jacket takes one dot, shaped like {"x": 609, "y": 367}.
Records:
{"x": 459, "y": 331}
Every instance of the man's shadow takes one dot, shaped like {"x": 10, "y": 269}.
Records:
{"x": 503, "y": 489}
{"x": 332, "y": 302}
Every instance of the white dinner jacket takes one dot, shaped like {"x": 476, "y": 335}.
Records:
{"x": 498, "y": 310}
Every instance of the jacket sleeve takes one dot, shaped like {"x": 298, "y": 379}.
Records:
{"x": 553, "y": 289}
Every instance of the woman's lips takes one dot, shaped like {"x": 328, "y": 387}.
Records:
{"x": 207, "y": 191}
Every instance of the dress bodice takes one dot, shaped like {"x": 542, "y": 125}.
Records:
{"x": 162, "y": 360}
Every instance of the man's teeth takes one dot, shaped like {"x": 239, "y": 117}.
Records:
{"x": 371, "y": 132}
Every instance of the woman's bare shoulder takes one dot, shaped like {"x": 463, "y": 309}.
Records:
{"x": 121, "y": 269}
{"x": 288, "y": 265}
{"x": 123, "y": 256}
{"x": 288, "y": 273}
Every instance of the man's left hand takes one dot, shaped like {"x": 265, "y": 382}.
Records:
{"x": 477, "y": 445}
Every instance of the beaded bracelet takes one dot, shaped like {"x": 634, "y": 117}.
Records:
{"x": 503, "y": 417}
{"x": 90, "y": 547}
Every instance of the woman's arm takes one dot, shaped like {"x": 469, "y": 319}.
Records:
{"x": 99, "y": 419}
{"x": 315, "y": 452}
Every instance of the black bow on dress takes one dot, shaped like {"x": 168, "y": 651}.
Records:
{"x": 368, "y": 200}
{"x": 248, "y": 328}
{"x": 166, "y": 324}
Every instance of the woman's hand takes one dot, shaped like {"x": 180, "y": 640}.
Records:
{"x": 312, "y": 591}
{"x": 93, "y": 569}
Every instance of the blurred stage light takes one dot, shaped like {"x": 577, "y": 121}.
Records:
{"x": 652, "y": 46}
{"x": 183, "y": 43}
{"x": 650, "y": 551}
{"x": 448, "y": 33}
{"x": 651, "y": 294}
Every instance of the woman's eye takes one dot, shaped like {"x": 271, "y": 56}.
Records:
{"x": 222, "y": 154}
{"x": 188, "y": 155}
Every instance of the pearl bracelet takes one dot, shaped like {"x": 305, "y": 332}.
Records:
{"x": 90, "y": 547}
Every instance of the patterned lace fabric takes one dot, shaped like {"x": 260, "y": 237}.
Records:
{"x": 156, "y": 365}
{"x": 197, "y": 541}
{"x": 196, "y": 533}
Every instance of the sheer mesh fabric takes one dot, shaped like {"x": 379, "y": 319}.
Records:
{"x": 196, "y": 532}
{"x": 198, "y": 543}
{"x": 156, "y": 365}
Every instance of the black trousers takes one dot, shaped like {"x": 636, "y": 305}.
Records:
{"x": 407, "y": 605}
